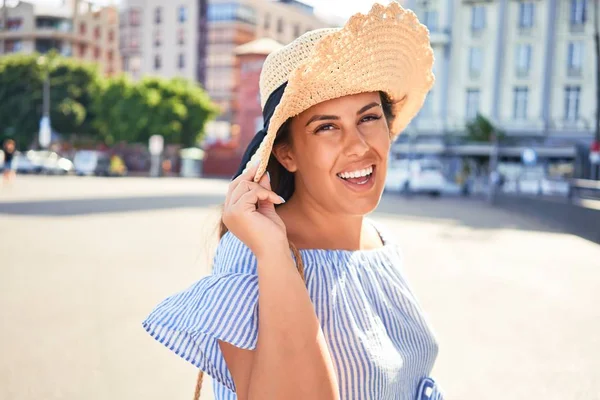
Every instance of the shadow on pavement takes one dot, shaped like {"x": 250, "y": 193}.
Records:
{"x": 74, "y": 207}
{"x": 475, "y": 213}
{"x": 469, "y": 212}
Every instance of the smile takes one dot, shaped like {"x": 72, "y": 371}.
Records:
{"x": 360, "y": 179}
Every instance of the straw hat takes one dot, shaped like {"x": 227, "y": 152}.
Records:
{"x": 385, "y": 50}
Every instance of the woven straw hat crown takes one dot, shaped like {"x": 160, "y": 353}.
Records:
{"x": 385, "y": 50}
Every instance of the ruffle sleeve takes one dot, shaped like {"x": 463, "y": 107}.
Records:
{"x": 222, "y": 306}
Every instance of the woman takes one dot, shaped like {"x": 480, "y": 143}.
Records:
{"x": 347, "y": 326}
{"x": 9, "y": 149}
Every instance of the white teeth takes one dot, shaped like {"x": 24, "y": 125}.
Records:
{"x": 356, "y": 174}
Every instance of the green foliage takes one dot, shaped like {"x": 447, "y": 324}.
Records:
{"x": 482, "y": 130}
{"x": 84, "y": 103}
{"x": 21, "y": 80}
{"x": 72, "y": 87}
{"x": 132, "y": 112}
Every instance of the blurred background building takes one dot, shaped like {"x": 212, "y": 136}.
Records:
{"x": 165, "y": 39}
{"x": 74, "y": 29}
{"x": 527, "y": 66}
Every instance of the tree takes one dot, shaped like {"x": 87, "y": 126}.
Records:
{"x": 21, "y": 80}
{"x": 132, "y": 112}
{"x": 482, "y": 130}
{"x": 72, "y": 87}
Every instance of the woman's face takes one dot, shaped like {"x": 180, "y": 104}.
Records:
{"x": 339, "y": 151}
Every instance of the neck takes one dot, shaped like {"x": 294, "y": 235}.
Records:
{"x": 310, "y": 225}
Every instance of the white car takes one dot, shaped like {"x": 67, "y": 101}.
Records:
{"x": 419, "y": 176}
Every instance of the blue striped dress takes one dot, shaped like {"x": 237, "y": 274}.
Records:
{"x": 379, "y": 339}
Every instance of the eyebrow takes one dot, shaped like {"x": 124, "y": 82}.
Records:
{"x": 335, "y": 117}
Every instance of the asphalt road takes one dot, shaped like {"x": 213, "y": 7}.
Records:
{"x": 513, "y": 302}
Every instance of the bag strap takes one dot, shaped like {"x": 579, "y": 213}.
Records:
{"x": 300, "y": 267}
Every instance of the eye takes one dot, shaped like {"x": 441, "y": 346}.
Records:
{"x": 369, "y": 118}
{"x": 325, "y": 127}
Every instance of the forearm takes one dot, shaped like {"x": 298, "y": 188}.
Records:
{"x": 292, "y": 360}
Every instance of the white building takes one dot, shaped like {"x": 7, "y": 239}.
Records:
{"x": 526, "y": 65}
{"x": 162, "y": 38}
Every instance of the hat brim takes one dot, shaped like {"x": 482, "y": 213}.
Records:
{"x": 385, "y": 50}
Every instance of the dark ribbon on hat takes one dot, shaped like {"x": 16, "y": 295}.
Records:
{"x": 268, "y": 111}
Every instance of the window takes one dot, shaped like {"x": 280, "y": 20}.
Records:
{"x": 231, "y": 12}
{"x": 280, "y": 25}
{"x": 14, "y": 24}
{"x": 157, "y": 62}
{"x": 575, "y": 58}
{"x": 182, "y": 14}
{"x": 572, "y": 102}
{"x": 526, "y": 12}
{"x": 97, "y": 32}
{"x": 523, "y": 59}
{"x": 134, "y": 40}
{"x": 82, "y": 50}
{"x": 157, "y": 38}
{"x": 181, "y": 36}
{"x": 109, "y": 55}
{"x": 13, "y": 46}
{"x": 472, "y": 103}
{"x": 82, "y": 28}
{"x": 477, "y": 18}
{"x": 134, "y": 17}
{"x": 430, "y": 20}
{"x": 475, "y": 61}
{"x": 111, "y": 36}
{"x": 181, "y": 62}
{"x": 520, "y": 95}
{"x": 157, "y": 15}
{"x": 578, "y": 13}
{"x": 96, "y": 53}
{"x": 296, "y": 30}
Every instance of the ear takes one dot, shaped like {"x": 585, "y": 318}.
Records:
{"x": 283, "y": 153}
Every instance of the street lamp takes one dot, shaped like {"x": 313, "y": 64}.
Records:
{"x": 45, "y": 132}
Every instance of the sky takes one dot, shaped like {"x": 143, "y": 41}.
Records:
{"x": 336, "y": 8}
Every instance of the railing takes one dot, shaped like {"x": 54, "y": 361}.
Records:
{"x": 585, "y": 192}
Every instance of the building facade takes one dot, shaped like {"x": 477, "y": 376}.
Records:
{"x": 165, "y": 39}
{"x": 75, "y": 29}
{"x": 160, "y": 38}
{"x": 528, "y": 66}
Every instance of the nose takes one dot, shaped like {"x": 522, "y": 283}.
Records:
{"x": 356, "y": 145}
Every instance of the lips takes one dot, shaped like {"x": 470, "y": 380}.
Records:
{"x": 358, "y": 180}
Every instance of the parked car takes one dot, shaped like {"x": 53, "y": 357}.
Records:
{"x": 418, "y": 176}
{"x": 397, "y": 176}
{"x": 427, "y": 177}
{"x": 49, "y": 162}
{"x": 22, "y": 164}
{"x": 90, "y": 162}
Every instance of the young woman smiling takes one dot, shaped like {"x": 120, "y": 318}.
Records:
{"x": 307, "y": 299}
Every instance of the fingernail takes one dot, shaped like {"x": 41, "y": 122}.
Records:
{"x": 268, "y": 176}
{"x": 282, "y": 200}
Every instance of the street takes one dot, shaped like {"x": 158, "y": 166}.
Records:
{"x": 513, "y": 302}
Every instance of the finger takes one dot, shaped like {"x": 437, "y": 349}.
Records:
{"x": 242, "y": 188}
{"x": 258, "y": 194}
{"x": 246, "y": 175}
{"x": 265, "y": 182}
